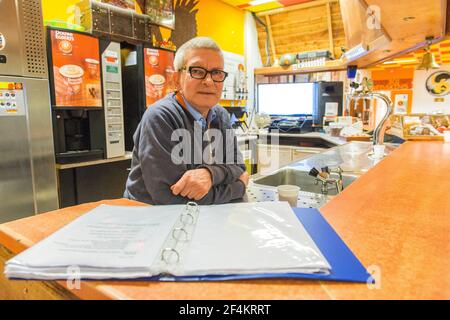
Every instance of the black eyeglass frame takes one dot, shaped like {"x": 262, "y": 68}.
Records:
{"x": 189, "y": 69}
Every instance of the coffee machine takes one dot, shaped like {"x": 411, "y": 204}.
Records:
{"x": 86, "y": 95}
{"x": 149, "y": 73}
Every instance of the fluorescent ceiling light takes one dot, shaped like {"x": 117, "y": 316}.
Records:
{"x": 257, "y": 2}
{"x": 400, "y": 61}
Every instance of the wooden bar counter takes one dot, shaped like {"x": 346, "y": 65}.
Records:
{"x": 395, "y": 218}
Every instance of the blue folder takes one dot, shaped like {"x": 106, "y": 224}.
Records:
{"x": 345, "y": 266}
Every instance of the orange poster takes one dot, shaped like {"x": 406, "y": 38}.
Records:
{"x": 159, "y": 72}
{"x": 76, "y": 69}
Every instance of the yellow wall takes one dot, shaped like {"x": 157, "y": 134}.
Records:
{"x": 223, "y": 23}
{"x": 57, "y": 9}
{"x": 215, "y": 19}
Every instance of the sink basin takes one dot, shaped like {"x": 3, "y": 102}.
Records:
{"x": 301, "y": 179}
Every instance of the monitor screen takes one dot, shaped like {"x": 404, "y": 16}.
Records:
{"x": 286, "y": 99}
{"x": 75, "y": 69}
{"x": 159, "y": 74}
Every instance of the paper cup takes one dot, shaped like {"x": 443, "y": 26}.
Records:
{"x": 288, "y": 193}
{"x": 447, "y": 136}
{"x": 378, "y": 151}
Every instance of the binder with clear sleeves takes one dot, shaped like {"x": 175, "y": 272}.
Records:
{"x": 176, "y": 242}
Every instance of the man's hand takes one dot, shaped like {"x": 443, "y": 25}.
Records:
{"x": 194, "y": 184}
{"x": 244, "y": 178}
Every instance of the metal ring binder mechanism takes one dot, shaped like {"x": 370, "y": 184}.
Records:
{"x": 180, "y": 234}
{"x": 177, "y": 237}
{"x": 166, "y": 258}
{"x": 187, "y": 215}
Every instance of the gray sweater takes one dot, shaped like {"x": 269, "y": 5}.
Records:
{"x": 153, "y": 171}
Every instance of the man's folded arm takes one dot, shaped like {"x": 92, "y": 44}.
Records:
{"x": 224, "y": 193}
{"x": 227, "y": 173}
{"x": 155, "y": 153}
{"x": 160, "y": 171}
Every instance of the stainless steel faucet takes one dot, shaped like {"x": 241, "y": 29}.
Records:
{"x": 378, "y": 133}
{"x": 325, "y": 179}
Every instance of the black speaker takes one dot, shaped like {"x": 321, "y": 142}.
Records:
{"x": 325, "y": 92}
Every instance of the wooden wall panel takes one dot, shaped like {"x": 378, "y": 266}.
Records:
{"x": 447, "y": 32}
{"x": 303, "y": 30}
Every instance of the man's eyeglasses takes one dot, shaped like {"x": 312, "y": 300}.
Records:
{"x": 201, "y": 73}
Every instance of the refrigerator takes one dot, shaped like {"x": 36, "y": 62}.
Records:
{"x": 27, "y": 161}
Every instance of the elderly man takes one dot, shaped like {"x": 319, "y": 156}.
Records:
{"x": 157, "y": 175}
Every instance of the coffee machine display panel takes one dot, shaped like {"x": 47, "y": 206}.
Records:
{"x": 112, "y": 91}
{"x": 74, "y": 69}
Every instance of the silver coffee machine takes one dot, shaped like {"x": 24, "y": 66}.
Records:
{"x": 27, "y": 161}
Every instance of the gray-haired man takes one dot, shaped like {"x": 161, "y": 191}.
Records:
{"x": 155, "y": 177}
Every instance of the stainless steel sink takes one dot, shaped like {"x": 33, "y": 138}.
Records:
{"x": 301, "y": 179}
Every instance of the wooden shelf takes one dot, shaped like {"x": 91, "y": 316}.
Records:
{"x": 128, "y": 155}
{"x": 335, "y": 65}
{"x": 424, "y": 138}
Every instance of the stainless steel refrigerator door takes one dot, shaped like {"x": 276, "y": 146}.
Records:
{"x": 22, "y": 39}
{"x": 27, "y": 163}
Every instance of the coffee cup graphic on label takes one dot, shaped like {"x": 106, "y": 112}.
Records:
{"x": 65, "y": 46}
{"x": 157, "y": 82}
{"x": 93, "y": 66}
{"x": 74, "y": 76}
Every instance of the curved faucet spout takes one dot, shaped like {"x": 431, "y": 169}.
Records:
{"x": 378, "y": 133}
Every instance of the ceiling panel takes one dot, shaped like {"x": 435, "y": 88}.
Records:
{"x": 440, "y": 50}
{"x": 245, "y": 4}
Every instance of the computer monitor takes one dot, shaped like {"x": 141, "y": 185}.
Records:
{"x": 286, "y": 99}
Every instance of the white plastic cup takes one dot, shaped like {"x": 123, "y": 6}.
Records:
{"x": 289, "y": 193}
{"x": 378, "y": 151}
{"x": 447, "y": 136}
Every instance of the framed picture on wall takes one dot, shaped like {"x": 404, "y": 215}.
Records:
{"x": 161, "y": 12}
{"x": 401, "y": 103}
{"x": 438, "y": 83}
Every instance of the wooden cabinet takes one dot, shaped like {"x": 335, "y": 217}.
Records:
{"x": 102, "y": 179}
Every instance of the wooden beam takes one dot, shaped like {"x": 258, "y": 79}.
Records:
{"x": 334, "y": 65}
{"x": 447, "y": 32}
{"x": 272, "y": 43}
{"x": 330, "y": 29}
{"x": 311, "y": 4}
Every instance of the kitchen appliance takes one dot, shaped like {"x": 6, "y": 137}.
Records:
{"x": 27, "y": 167}
{"x": 86, "y": 95}
{"x": 328, "y": 98}
{"x": 149, "y": 74}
